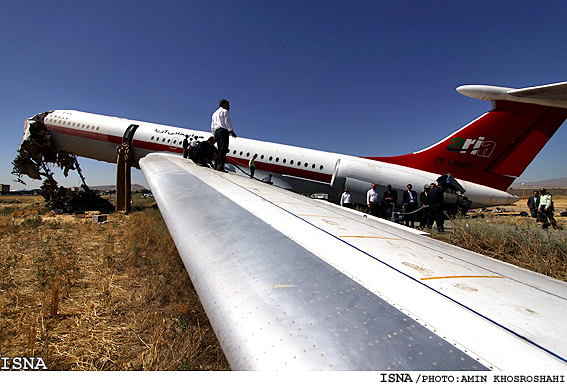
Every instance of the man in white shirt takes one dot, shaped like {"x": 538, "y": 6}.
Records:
{"x": 545, "y": 214}
{"x": 346, "y": 199}
{"x": 373, "y": 201}
{"x": 222, "y": 128}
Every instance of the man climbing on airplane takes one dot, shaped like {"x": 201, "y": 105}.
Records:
{"x": 222, "y": 128}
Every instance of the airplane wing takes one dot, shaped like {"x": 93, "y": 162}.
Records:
{"x": 292, "y": 283}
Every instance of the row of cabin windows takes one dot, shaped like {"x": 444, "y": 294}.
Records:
{"x": 163, "y": 140}
{"x": 271, "y": 158}
{"x": 284, "y": 161}
{"x": 78, "y": 125}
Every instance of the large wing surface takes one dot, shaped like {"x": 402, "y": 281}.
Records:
{"x": 294, "y": 283}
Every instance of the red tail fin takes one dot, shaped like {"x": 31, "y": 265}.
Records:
{"x": 492, "y": 150}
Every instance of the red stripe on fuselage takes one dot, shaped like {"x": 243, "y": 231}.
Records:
{"x": 283, "y": 170}
{"x": 84, "y": 134}
{"x": 158, "y": 147}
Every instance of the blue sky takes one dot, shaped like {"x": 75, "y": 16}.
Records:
{"x": 367, "y": 78}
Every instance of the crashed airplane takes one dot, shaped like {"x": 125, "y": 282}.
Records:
{"x": 292, "y": 283}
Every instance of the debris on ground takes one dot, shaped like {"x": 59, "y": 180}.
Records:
{"x": 34, "y": 157}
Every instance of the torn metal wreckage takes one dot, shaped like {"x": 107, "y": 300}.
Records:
{"x": 35, "y": 157}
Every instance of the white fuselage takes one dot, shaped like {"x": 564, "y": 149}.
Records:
{"x": 300, "y": 169}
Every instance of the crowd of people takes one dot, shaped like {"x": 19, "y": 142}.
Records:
{"x": 426, "y": 210}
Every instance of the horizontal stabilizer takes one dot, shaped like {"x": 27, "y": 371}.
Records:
{"x": 550, "y": 95}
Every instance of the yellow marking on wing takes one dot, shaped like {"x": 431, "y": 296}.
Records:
{"x": 290, "y": 203}
{"x": 326, "y": 217}
{"x": 462, "y": 277}
{"x": 373, "y": 237}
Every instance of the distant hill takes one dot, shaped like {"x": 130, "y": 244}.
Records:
{"x": 135, "y": 187}
{"x": 550, "y": 183}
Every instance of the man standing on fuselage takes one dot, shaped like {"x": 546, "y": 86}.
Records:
{"x": 222, "y": 128}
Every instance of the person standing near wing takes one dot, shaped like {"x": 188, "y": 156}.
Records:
{"x": 222, "y": 128}
{"x": 252, "y": 165}
{"x": 346, "y": 199}
{"x": 373, "y": 201}
{"x": 533, "y": 204}
{"x": 409, "y": 201}
{"x": 435, "y": 199}
{"x": 186, "y": 147}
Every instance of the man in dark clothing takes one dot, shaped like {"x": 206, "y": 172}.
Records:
{"x": 424, "y": 210}
{"x": 186, "y": 147}
{"x": 435, "y": 199}
{"x": 390, "y": 198}
{"x": 533, "y": 204}
{"x": 409, "y": 201}
{"x": 204, "y": 153}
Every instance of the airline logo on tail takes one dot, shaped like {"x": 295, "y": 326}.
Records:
{"x": 478, "y": 147}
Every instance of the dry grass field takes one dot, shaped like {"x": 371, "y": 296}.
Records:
{"x": 514, "y": 239}
{"x": 98, "y": 296}
{"x": 116, "y": 296}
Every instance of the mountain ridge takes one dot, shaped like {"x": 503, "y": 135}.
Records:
{"x": 549, "y": 183}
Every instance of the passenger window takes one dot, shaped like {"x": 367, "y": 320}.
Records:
{"x": 291, "y": 162}
{"x": 277, "y": 159}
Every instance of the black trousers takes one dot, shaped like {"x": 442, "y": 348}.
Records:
{"x": 436, "y": 215}
{"x": 222, "y": 136}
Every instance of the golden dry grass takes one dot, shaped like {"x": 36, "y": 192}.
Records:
{"x": 116, "y": 296}
{"x": 514, "y": 239}
{"x": 88, "y": 296}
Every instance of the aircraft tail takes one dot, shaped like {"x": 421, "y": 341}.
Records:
{"x": 497, "y": 147}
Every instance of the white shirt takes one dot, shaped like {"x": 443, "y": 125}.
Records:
{"x": 545, "y": 201}
{"x": 346, "y": 198}
{"x": 221, "y": 119}
{"x": 372, "y": 196}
